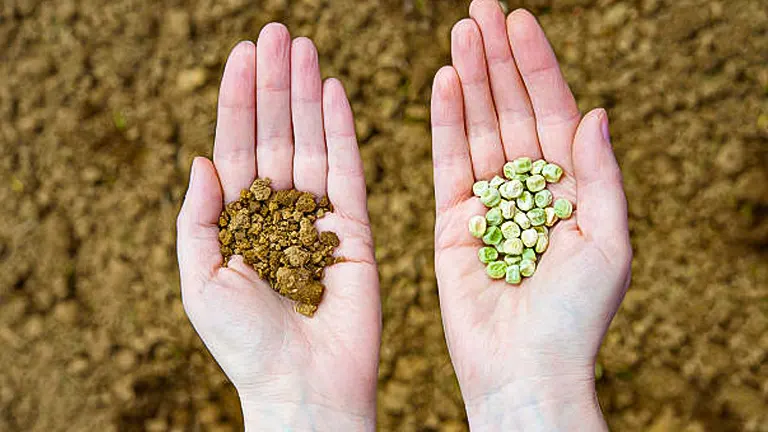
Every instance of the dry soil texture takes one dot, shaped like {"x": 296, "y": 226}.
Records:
{"x": 103, "y": 103}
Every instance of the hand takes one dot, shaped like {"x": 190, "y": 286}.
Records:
{"x": 289, "y": 370}
{"x": 524, "y": 355}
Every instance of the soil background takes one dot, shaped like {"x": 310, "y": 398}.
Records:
{"x": 103, "y": 103}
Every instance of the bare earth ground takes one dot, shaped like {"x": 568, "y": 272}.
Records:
{"x": 103, "y": 103}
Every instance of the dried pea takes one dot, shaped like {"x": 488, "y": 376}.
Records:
{"x": 479, "y": 187}
{"x": 527, "y": 268}
{"x": 490, "y": 197}
{"x": 507, "y": 209}
{"x": 513, "y": 246}
{"x": 493, "y": 216}
{"x": 520, "y": 177}
{"x": 550, "y": 217}
{"x": 525, "y": 201}
{"x": 509, "y": 170}
{"x": 529, "y": 237}
{"x": 536, "y": 216}
{"x": 512, "y": 259}
{"x": 477, "y": 226}
{"x": 510, "y": 230}
{"x": 529, "y": 254}
{"x": 541, "y": 230}
{"x": 537, "y": 166}
{"x": 563, "y": 208}
{"x": 543, "y": 198}
{"x": 513, "y": 275}
{"x": 492, "y": 236}
{"x": 552, "y": 172}
{"x": 541, "y": 243}
{"x": 535, "y": 183}
{"x": 487, "y": 254}
{"x": 511, "y": 189}
{"x": 496, "y": 181}
{"x": 496, "y": 269}
{"x": 521, "y": 219}
{"x": 522, "y": 165}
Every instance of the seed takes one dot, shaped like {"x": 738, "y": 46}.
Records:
{"x": 490, "y": 197}
{"x": 542, "y": 243}
{"x": 513, "y": 275}
{"x": 479, "y": 187}
{"x": 527, "y": 268}
{"x": 521, "y": 219}
{"x": 513, "y": 246}
{"x": 537, "y": 217}
{"x": 563, "y": 208}
{"x": 512, "y": 259}
{"x": 551, "y": 217}
{"x": 496, "y": 269}
{"x": 529, "y": 254}
{"x": 511, "y": 189}
{"x": 529, "y": 237}
{"x": 496, "y": 181}
{"x": 510, "y": 230}
{"x": 542, "y": 198}
{"x": 541, "y": 230}
{"x": 537, "y": 166}
{"x": 493, "y": 216}
{"x": 521, "y": 165}
{"x": 535, "y": 183}
{"x": 507, "y": 209}
{"x": 487, "y": 254}
{"x": 525, "y": 201}
{"x": 520, "y": 177}
{"x": 552, "y": 172}
{"x": 477, "y": 225}
{"x": 509, "y": 170}
{"x": 492, "y": 236}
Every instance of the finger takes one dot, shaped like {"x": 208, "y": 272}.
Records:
{"x": 310, "y": 165}
{"x": 601, "y": 203}
{"x": 234, "y": 151}
{"x": 480, "y": 115}
{"x": 196, "y": 226}
{"x": 516, "y": 120}
{"x": 557, "y": 115}
{"x": 450, "y": 150}
{"x": 346, "y": 182}
{"x": 274, "y": 144}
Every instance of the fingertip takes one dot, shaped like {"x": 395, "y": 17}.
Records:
{"x": 522, "y": 25}
{"x": 447, "y": 101}
{"x": 275, "y": 30}
{"x": 465, "y": 34}
{"x": 334, "y": 95}
{"x": 446, "y": 82}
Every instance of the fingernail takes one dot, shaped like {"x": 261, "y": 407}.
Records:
{"x": 604, "y": 126}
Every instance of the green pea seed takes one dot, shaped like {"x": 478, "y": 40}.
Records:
{"x": 525, "y": 201}
{"x": 479, "y": 187}
{"x": 490, "y": 197}
{"x": 513, "y": 246}
{"x": 511, "y": 189}
{"x": 535, "y": 183}
{"x": 551, "y": 217}
{"x": 529, "y": 254}
{"x": 552, "y": 172}
{"x": 563, "y": 208}
{"x": 529, "y": 237}
{"x": 493, "y": 216}
{"x": 510, "y": 230}
{"x": 521, "y": 219}
{"x": 527, "y": 268}
{"x": 512, "y": 259}
{"x": 487, "y": 254}
{"x": 496, "y": 269}
{"x": 541, "y": 230}
{"x": 537, "y": 166}
{"x": 541, "y": 243}
{"x": 542, "y": 198}
{"x": 509, "y": 170}
{"x": 507, "y": 209}
{"x": 496, "y": 181}
{"x": 536, "y": 216}
{"x": 492, "y": 236}
{"x": 513, "y": 275}
{"x": 522, "y": 165}
{"x": 520, "y": 177}
{"x": 477, "y": 226}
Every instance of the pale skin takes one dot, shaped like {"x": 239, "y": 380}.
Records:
{"x": 524, "y": 356}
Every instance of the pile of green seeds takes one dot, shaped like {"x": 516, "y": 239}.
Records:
{"x": 521, "y": 209}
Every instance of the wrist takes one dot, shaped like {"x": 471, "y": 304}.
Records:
{"x": 538, "y": 404}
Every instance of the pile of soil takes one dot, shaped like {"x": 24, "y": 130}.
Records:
{"x": 105, "y": 102}
{"x": 274, "y": 232}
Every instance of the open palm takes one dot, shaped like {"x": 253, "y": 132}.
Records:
{"x": 289, "y": 370}
{"x": 505, "y": 97}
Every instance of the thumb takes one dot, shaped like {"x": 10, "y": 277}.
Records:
{"x": 601, "y": 203}
{"x": 197, "y": 230}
